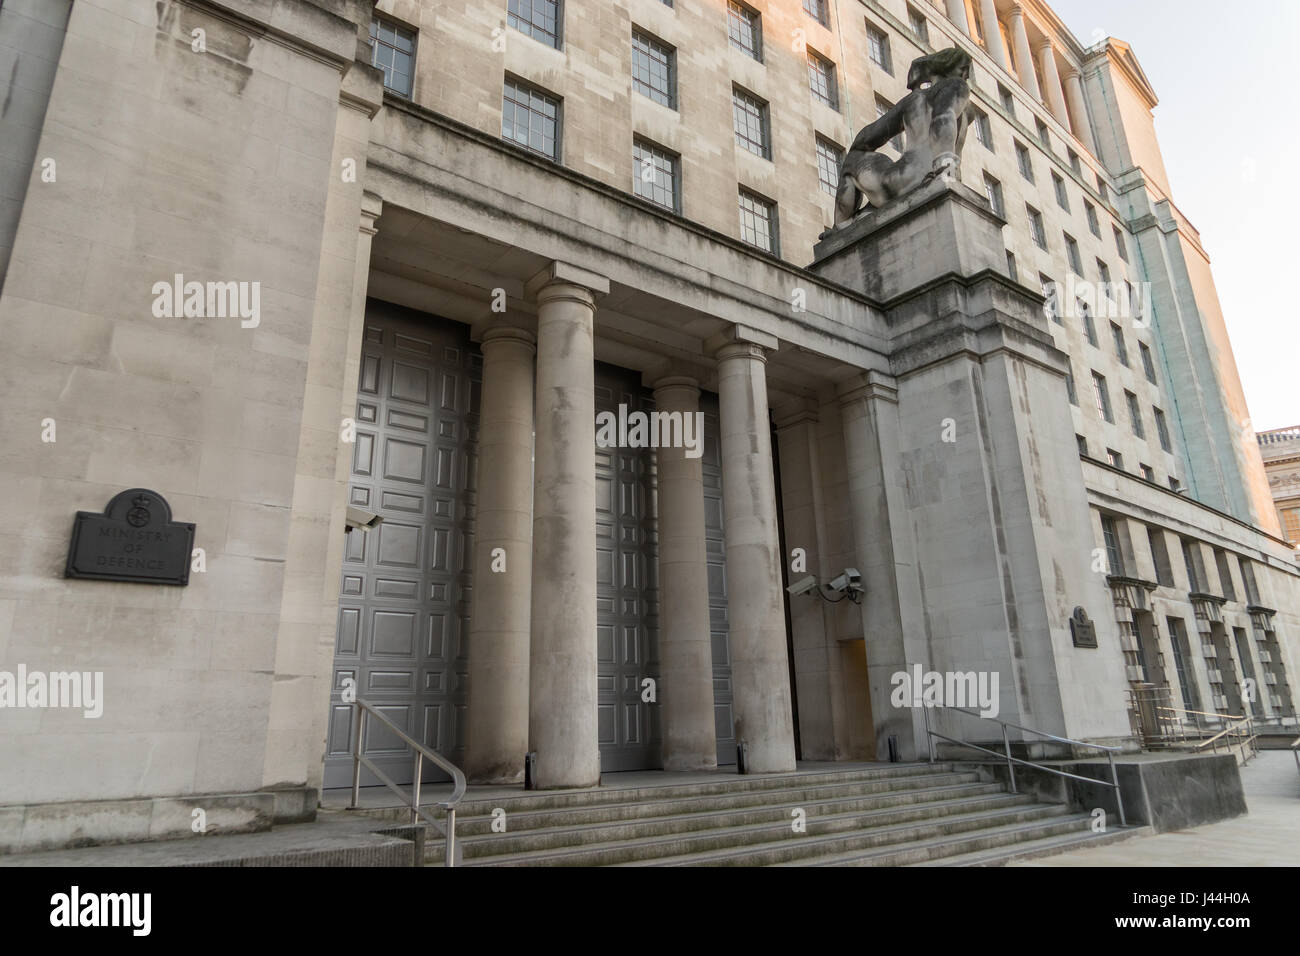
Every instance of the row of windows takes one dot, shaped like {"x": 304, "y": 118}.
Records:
{"x": 1101, "y": 395}
{"x": 1114, "y": 530}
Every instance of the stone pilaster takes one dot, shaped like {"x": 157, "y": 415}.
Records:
{"x": 1079, "y": 111}
{"x": 992, "y": 34}
{"x": 1024, "y": 55}
{"x": 1053, "y": 96}
{"x": 957, "y": 14}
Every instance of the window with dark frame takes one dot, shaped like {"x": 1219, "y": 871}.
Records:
{"x": 654, "y": 69}
{"x": 745, "y": 28}
{"x": 392, "y": 49}
{"x": 821, "y": 80}
{"x": 817, "y": 10}
{"x": 749, "y": 115}
{"x": 531, "y": 118}
{"x": 539, "y": 19}
{"x": 656, "y": 174}
{"x": 758, "y": 221}
{"x": 878, "y": 48}
{"x": 919, "y": 26}
{"x": 829, "y": 158}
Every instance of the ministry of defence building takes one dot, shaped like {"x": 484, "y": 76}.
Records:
{"x": 342, "y": 289}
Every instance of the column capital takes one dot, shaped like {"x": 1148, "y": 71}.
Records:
{"x": 1044, "y": 43}
{"x": 567, "y": 278}
{"x": 872, "y": 385}
{"x": 741, "y": 335}
{"x": 742, "y": 350}
{"x": 510, "y": 334}
{"x": 676, "y": 381}
{"x": 372, "y": 207}
{"x": 1017, "y": 12}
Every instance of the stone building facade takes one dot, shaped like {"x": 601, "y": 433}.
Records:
{"x": 472, "y": 225}
{"x": 1280, "y": 450}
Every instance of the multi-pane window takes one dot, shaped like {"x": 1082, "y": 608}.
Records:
{"x": 1070, "y": 390}
{"x": 1042, "y": 132}
{"x": 1090, "y": 211}
{"x": 1120, "y": 245}
{"x": 1074, "y": 162}
{"x": 983, "y": 131}
{"x": 1225, "y": 576}
{"x": 1103, "y": 273}
{"x": 1162, "y": 429}
{"x": 1290, "y": 524}
{"x": 656, "y": 175}
{"x": 1121, "y": 350}
{"x": 1062, "y": 198}
{"x": 1115, "y": 459}
{"x": 1089, "y": 327}
{"x": 745, "y": 29}
{"x": 1102, "y": 190}
{"x": 1012, "y": 272}
{"x": 540, "y": 19}
{"x": 654, "y": 69}
{"x": 1192, "y": 561}
{"x": 821, "y": 80}
{"x": 1052, "y": 306}
{"x": 1175, "y": 484}
{"x": 1072, "y": 253}
{"x": 918, "y": 24}
{"x": 1148, "y": 366}
{"x": 1148, "y": 473}
{"x": 392, "y": 49}
{"x": 750, "y": 118}
{"x": 878, "y": 48}
{"x": 829, "y": 157}
{"x": 1178, "y": 640}
{"x": 1023, "y": 162}
{"x": 1110, "y": 535}
{"x": 1008, "y": 101}
{"x": 1036, "y": 227}
{"x": 993, "y": 190}
{"x": 883, "y": 106}
{"x": 1102, "y": 396}
{"x": 758, "y": 221}
{"x": 1160, "y": 557}
{"x": 817, "y": 10}
{"x": 531, "y": 118}
{"x": 1135, "y": 414}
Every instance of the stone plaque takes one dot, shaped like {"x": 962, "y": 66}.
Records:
{"x": 134, "y": 539}
{"x": 1082, "y": 630}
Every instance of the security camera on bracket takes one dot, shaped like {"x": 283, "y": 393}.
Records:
{"x": 847, "y": 585}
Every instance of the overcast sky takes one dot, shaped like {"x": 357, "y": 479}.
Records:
{"x": 1227, "y": 123}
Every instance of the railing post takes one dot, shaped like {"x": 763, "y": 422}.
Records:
{"x": 1006, "y": 748}
{"x": 929, "y": 737}
{"x": 451, "y": 838}
{"x": 1119, "y": 797}
{"x": 356, "y": 755}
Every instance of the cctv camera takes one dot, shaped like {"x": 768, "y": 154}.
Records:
{"x": 803, "y": 585}
{"x": 365, "y": 520}
{"x": 850, "y": 580}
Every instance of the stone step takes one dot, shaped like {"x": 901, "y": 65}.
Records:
{"x": 1047, "y": 846}
{"x": 730, "y": 828}
{"x": 720, "y": 846}
{"x": 878, "y": 792}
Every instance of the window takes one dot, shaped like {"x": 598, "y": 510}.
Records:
{"x": 1083, "y": 445}
{"x": 750, "y": 117}
{"x": 654, "y": 69}
{"x": 1247, "y": 664}
{"x": 655, "y": 175}
{"x": 745, "y": 28}
{"x": 1072, "y": 253}
{"x": 1175, "y": 485}
{"x": 1074, "y": 162}
{"x": 392, "y": 49}
{"x": 983, "y": 131}
{"x": 1178, "y": 640}
{"x": 1121, "y": 350}
{"x": 1110, "y": 535}
{"x": 1115, "y": 458}
{"x": 993, "y": 190}
{"x": 1102, "y": 190}
{"x": 1042, "y": 132}
{"x": 1011, "y": 267}
{"x": 1036, "y": 227}
{"x": 531, "y": 118}
{"x": 878, "y": 48}
{"x": 1162, "y": 430}
{"x": 1048, "y": 285}
{"x": 1023, "y": 162}
{"x": 758, "y": 222}
{"x": 1008, "y": 101}
{"x": 1192, "y": 561}
{"x": 1148, "y": 473}
{"x": 1225, "y": 576}
{"x": 1069, "y": 388}
{"x": 1062, "y": 198}
{"x": 1102, "y": 396}
{"x": 883, "y": 106}
{"x": 917, "y": 21}
{"x": 1148, "y": 366}
{"x": 829, "y": 157}
{"x": 1248, "y": 580}
{"x": 1103, "y": 273}
{"x": 821, "y": 80}
{"x": 1089, "y": 327}
{"x": 1134, "y": 414}
{"x": 1290, "y": 519}
{"x": 539, "y": 19}
{"x": 1120, "y": 246}
{"x": 817, "y": 10}
{"x": 1160, "y": 557}
{"x": 1090, "y": 211}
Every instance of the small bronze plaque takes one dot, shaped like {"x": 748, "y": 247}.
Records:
{"x": 134, "y": 539}
{"x": 1082, "y": 631}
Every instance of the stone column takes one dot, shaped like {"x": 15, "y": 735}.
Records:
{"x": 1024, "y": 56}
{"x": 992, "y": 35}
{"x": 685, "y": 650}
{"x": 1053, "y": 96}
{"x": 497, "y": 734}
{"x": 957, "y": 14}
{"x": 760, "y": 665}
{"x": 1079, "y": 110}
{"x": 562, "y": 719}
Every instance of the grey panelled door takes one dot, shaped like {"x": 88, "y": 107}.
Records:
{"x": 626, "y": 587}
{"x": 404, "y": 603}
{"x": 717, "y": 564}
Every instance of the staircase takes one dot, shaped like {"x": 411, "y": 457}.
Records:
{"x": 890, "y": 815}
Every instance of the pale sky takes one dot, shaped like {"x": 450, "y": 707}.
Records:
{"x": 1227, "y": 124}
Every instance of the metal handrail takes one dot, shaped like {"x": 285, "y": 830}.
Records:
{"x": 1295, "y": 750}
{"x": 1232, "y": 728}
{"x": 417, "y": 812}
{"x": 1011, "y": 761}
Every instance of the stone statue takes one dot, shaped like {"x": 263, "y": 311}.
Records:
{"x": 934, "y": 116}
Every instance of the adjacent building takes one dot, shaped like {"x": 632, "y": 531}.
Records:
{"x": 434, "y": 239}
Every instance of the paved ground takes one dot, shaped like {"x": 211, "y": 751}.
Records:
{"x": 1268, "y": 835}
